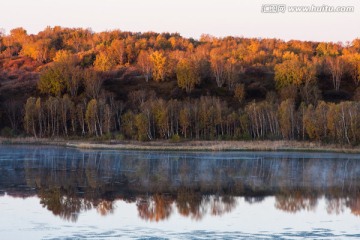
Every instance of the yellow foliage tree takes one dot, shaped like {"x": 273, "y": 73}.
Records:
{"x": 104, "y": 62}
{"x": 145, "y": 64}
{"x": 52, "y": 81}
{"x": 239, "y": 92}
{"x": 158, "y": 61}
{"x": 91, "y": 116}
{"x": 186, "y": 75}
{"x": 141, "y": 125}
{"x": 294, "y": 72}
{"x": 353, "y": 61}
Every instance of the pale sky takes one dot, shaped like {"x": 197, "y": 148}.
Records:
{"x": 190, "y": 18}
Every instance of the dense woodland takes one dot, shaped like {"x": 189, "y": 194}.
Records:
{"x": 66, "y": 82}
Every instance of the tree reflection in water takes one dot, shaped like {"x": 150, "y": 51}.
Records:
{"x": 70, "y": 181}
{"x": 335, "y": 204}
{"x": 354, "y": 205}
{"x": 189, "y": 203}
{"x": 105, "y": 207}
{"x": 67, "y": 206}
{"x": 296, "y": 201}
{"x": 154, "y": 208}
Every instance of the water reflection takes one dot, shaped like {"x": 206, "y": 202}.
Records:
{"x": 70, "y": 181}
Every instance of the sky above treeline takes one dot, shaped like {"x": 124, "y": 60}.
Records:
{"x": 190, "y": 18}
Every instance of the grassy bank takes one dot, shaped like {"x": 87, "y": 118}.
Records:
{"x": 265, "y": 145}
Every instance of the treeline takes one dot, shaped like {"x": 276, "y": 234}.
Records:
{"x": 225, "y": 88}
{"x": 206, "y": 118}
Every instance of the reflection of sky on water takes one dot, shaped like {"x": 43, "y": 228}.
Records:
{"x": 26, "y": 219}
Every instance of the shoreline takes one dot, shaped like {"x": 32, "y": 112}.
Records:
{"x": 190, "y": 145}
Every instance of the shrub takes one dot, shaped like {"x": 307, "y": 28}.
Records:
{"x": 175, "y": 138}
{"x": 7, "y": 132}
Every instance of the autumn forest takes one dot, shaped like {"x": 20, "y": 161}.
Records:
{"x": 72, "y": 82}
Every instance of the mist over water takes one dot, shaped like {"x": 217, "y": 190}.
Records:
{"x": 54, "y": 192}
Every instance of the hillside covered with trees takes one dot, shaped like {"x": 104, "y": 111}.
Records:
{"x": 66, "y": 82}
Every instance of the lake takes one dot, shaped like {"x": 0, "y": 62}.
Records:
{"x": 49, "y": 192}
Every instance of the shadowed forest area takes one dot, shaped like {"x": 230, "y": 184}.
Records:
{"x": 72, "y": 82}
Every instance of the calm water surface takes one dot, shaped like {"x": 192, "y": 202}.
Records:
{"x": 63, "y": 193}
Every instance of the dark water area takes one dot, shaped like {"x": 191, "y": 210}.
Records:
{"x": 51, "y": 192}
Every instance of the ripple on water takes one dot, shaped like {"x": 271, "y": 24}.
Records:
{"x": 143, "y": 233}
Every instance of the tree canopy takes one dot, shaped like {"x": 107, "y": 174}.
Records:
{"x": 145, "y": 86}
